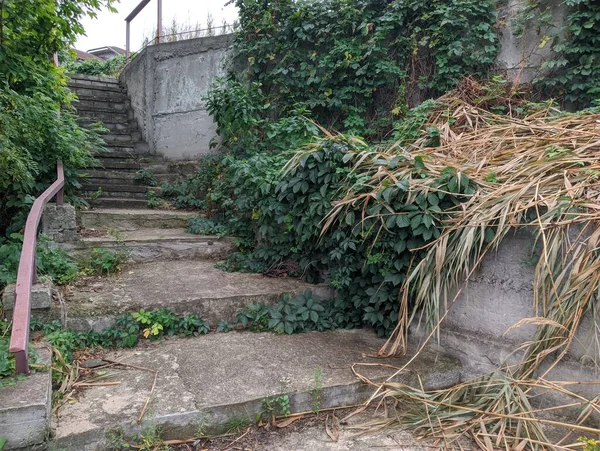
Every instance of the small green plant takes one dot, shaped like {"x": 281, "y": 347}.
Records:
{"x": 95, "y": 195}
{"x": 224, "y": 326}
{"x": 255, "y": 317}
{"x": 317, "y": 392}
{"x": 153, "y": 201}
{"x": 205, "y": 226}
{"x": 105, "y": 262}
{"x": 589, "y": 444}
{"x": 117, "y": 235}
{"x": 193, "y": 325}
{"x": 146, "y": 177}
{"x": 116, "y": 440}
{"x": 236, "y": 423}
{"x": 275, "y": 406}
{"x": 151, "y": 440}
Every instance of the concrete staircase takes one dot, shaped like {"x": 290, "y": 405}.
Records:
{"x": 113, "y": 182}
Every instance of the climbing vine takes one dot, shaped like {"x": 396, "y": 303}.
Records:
{"x": 358, "y": 64}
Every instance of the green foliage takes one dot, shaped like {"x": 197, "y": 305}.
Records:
{"x": 205, "y": 226}
{"x": 224, "y": 327}
{"x": 162, "y": 322}
{"x": 111, "y": 67}
{"x": 146, "y": 177}
{"x": 574, "y": 70}
{"x": 104, "y": 261}
{"x": 353, "y": 65}
{"x": 275, "y": 406}
{"x": 33, "y": 135}
{"x": 191, "y": 193}
{"x": 589, "y": 444}
{"x": 52, "y": 261}
{"x": 303, "y": 313}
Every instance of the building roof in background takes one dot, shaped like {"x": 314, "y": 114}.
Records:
{"x": 109, "y": 49}
{"x": 84, "y": 56}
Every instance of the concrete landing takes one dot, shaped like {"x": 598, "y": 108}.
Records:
{"x": 182, "y": 286}
{"x": 205, "y": 382}
{"x": 149, "y": 244}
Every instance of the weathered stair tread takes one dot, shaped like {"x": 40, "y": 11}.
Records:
{"x": 212, "y": 379}
{"x": 184, "y": 286}
{"x": 148, "y": 235}
{"x": 133, "y": 219}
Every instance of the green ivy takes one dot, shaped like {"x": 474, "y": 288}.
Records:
{"x": 354, "y": 64}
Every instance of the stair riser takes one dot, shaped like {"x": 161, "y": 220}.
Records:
{"x": 117, "y": 194}
{"x": 123, "y": 177}
{"x": 93, "y": 80}
{"x": 78, "y": 85}
{"x": 131, "y": 138}
{"x": 92, "y": 116}
{"x": 114, "y": 127}
{"x": 107, "y": 202}
{"x": 112, "y": 96}
{"x": 86, "y": 105}
{"x": 127, "y": 222}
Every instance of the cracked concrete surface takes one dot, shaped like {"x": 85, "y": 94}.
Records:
{"x": 210, "y": 379}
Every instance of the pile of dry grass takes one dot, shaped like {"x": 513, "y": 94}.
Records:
{"x": 534, "y": 168}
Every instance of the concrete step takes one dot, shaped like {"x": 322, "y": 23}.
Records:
{"x": 121, "y": 138}
{"x": 114, "y": 127}
{"x": 91, "y": 116}
{"x": 205, "y": 383}
{"x": 130, "y": 220}
{"x": 77, "y": 85}
{"x": 91, "y": 93}
{"x": 119, "y": 164}
{"x": 107, "y": 193}
{"x": 187, "y": 282}
{"x": 118, "y": 202}
{"x": 93, "y": 80}
{"x": 86, "y": 104}
{"x": 150, "y": 245}
{"x": 129, "y": 188}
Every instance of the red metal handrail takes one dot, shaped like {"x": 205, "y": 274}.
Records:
{"x": 27, "y": 274}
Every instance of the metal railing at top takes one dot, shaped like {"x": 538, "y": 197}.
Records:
{"x": 27, "y": 273}
{"x": 132, "y": 15}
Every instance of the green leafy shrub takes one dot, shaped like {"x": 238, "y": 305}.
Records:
{"x": 111, "y": 67}
{"x": 355, "y": 65}
{"x": 33, "y": 136}
{"x": 205, "y": 226}
{"x": 52, "y": 261}
{"x": 105, "y": 261}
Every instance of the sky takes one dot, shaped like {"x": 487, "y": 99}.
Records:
{"x": 109, "y": 28}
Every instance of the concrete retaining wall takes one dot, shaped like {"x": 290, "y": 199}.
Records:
{"x": 498, "y": 296}
{"x": 166, "y": 84}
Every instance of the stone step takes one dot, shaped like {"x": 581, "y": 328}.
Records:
{"x": 91, "y": 116}
{"x": 205, "y": 383}
{"x": 118, "y": 202}
{"x": 91, "y": 93}
{"x": 107, "y": 193}
{"x": 99, "y": 80}
{"x": 122, "y": 138}
{"x": 129, "y": 220}
{"x": 154, "y": 245}
{"x": 123, "y": 177}
{"x": 114, "y": 127}
{"x": 86, "y": 104}
{"x": 120, "y": 164}
{"x": 77, "y": 85}
{"x": 187, "y": 283}
{"x": 128, "y": 188}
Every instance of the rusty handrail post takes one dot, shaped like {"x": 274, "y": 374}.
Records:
{"x": 132, "y": 15}
{"x": 27, "y": 272}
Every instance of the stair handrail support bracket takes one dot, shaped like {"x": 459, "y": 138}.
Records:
{"x": 27, "y": 272}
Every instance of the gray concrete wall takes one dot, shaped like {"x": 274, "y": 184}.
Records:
{"x": 166, "y": 84}
{"x": 498, "y": 296}
{"x": 522, "y": 56}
